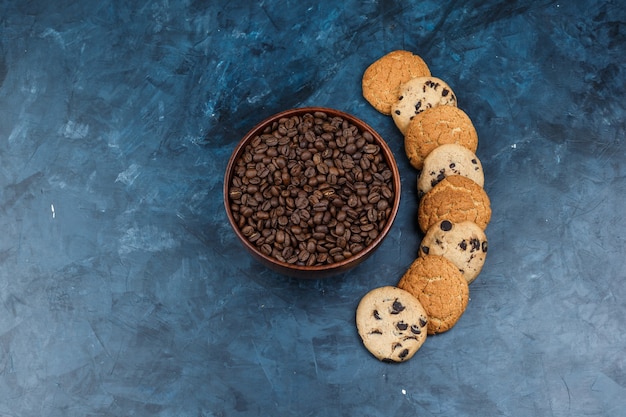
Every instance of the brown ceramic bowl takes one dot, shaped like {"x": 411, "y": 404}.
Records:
{"x": 234, "y": 190}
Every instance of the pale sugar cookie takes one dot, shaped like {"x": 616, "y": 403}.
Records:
{"x": 446, "y": 160}
{"x": 417, "y": 95}
{"x": 464, "y": 244}
{"x": 392, "y": 323}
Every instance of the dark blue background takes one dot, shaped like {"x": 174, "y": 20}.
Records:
{"x": 124, "y": 292}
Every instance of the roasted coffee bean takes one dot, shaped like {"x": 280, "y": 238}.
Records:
{"x": 373, "y": 197}
{"x": 372, "y": 215}
{"x": 303, "y": 256}
{"x": 247, "y": 211}
{"x": 322, "y": 206}
{"x": 304, "y": 215}
{"x": 386, "y": 192}
{"x": 356, "y": 248}
{"x": 266, "y": 249}
{"x": 335, "y": 251}
{"x": 371, "y": 148}
{"x": 280, "y": 236}
{"x": 321, "y": 228}
{"x": 295, "y": 218}
{"x": 311, "y": 190}
{"x": 287, "y": 252}
{"x": 318, "y": 217}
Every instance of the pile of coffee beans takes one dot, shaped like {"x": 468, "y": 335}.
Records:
{"x": 311, "y": 190}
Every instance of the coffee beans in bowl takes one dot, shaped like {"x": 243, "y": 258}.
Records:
{"x": 311, "y": 192}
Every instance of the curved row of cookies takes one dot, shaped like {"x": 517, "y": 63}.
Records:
{"x": 454, "y": 210}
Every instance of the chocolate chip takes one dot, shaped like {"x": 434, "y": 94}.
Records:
{"x": 452, "y": 165}
{"x": 398, "y": 112}
{"x": 446, "y": 226}
{"x": 425, "y": 249}
{"x": 377, "y": 315}
{"x": 485, "y": 246}
{"x": 403, "y": 354}
{"x": 418, "y": 105}
{"x": 445, "y": 92}
{"x": 474, "y": 161}
{"x": 415, "y": 329}
{"x": 402, "y": 325}
{"x": 475, "y": 243}
{"x": 440, "y": 177}
{"x": 423, "y": 322}
{"x": 376, "y": 331}
{"x": 397, "y": 307}
{"x": 463, "y": 245}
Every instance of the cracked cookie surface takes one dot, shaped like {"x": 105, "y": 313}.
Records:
{"x": 441, "y": 289}
{"x": 438, "y": 126}
{"x": 392, "y": 323}
{"x": 382, "y": 79}
{"x": 457, "y": 199}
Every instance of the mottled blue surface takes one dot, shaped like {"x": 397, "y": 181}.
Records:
{"x": 124, "y": 292}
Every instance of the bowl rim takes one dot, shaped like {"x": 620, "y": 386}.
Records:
{"x": 362, "y": 126}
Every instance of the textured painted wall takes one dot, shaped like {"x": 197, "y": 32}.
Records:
{"x": 124, "y": 292}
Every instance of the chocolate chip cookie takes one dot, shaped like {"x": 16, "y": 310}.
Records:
{"x": 417, "y": 95}
{"x": 446, "y": 160}
{"x": 392, "y": 323}
{"x": 464, "y": 244}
